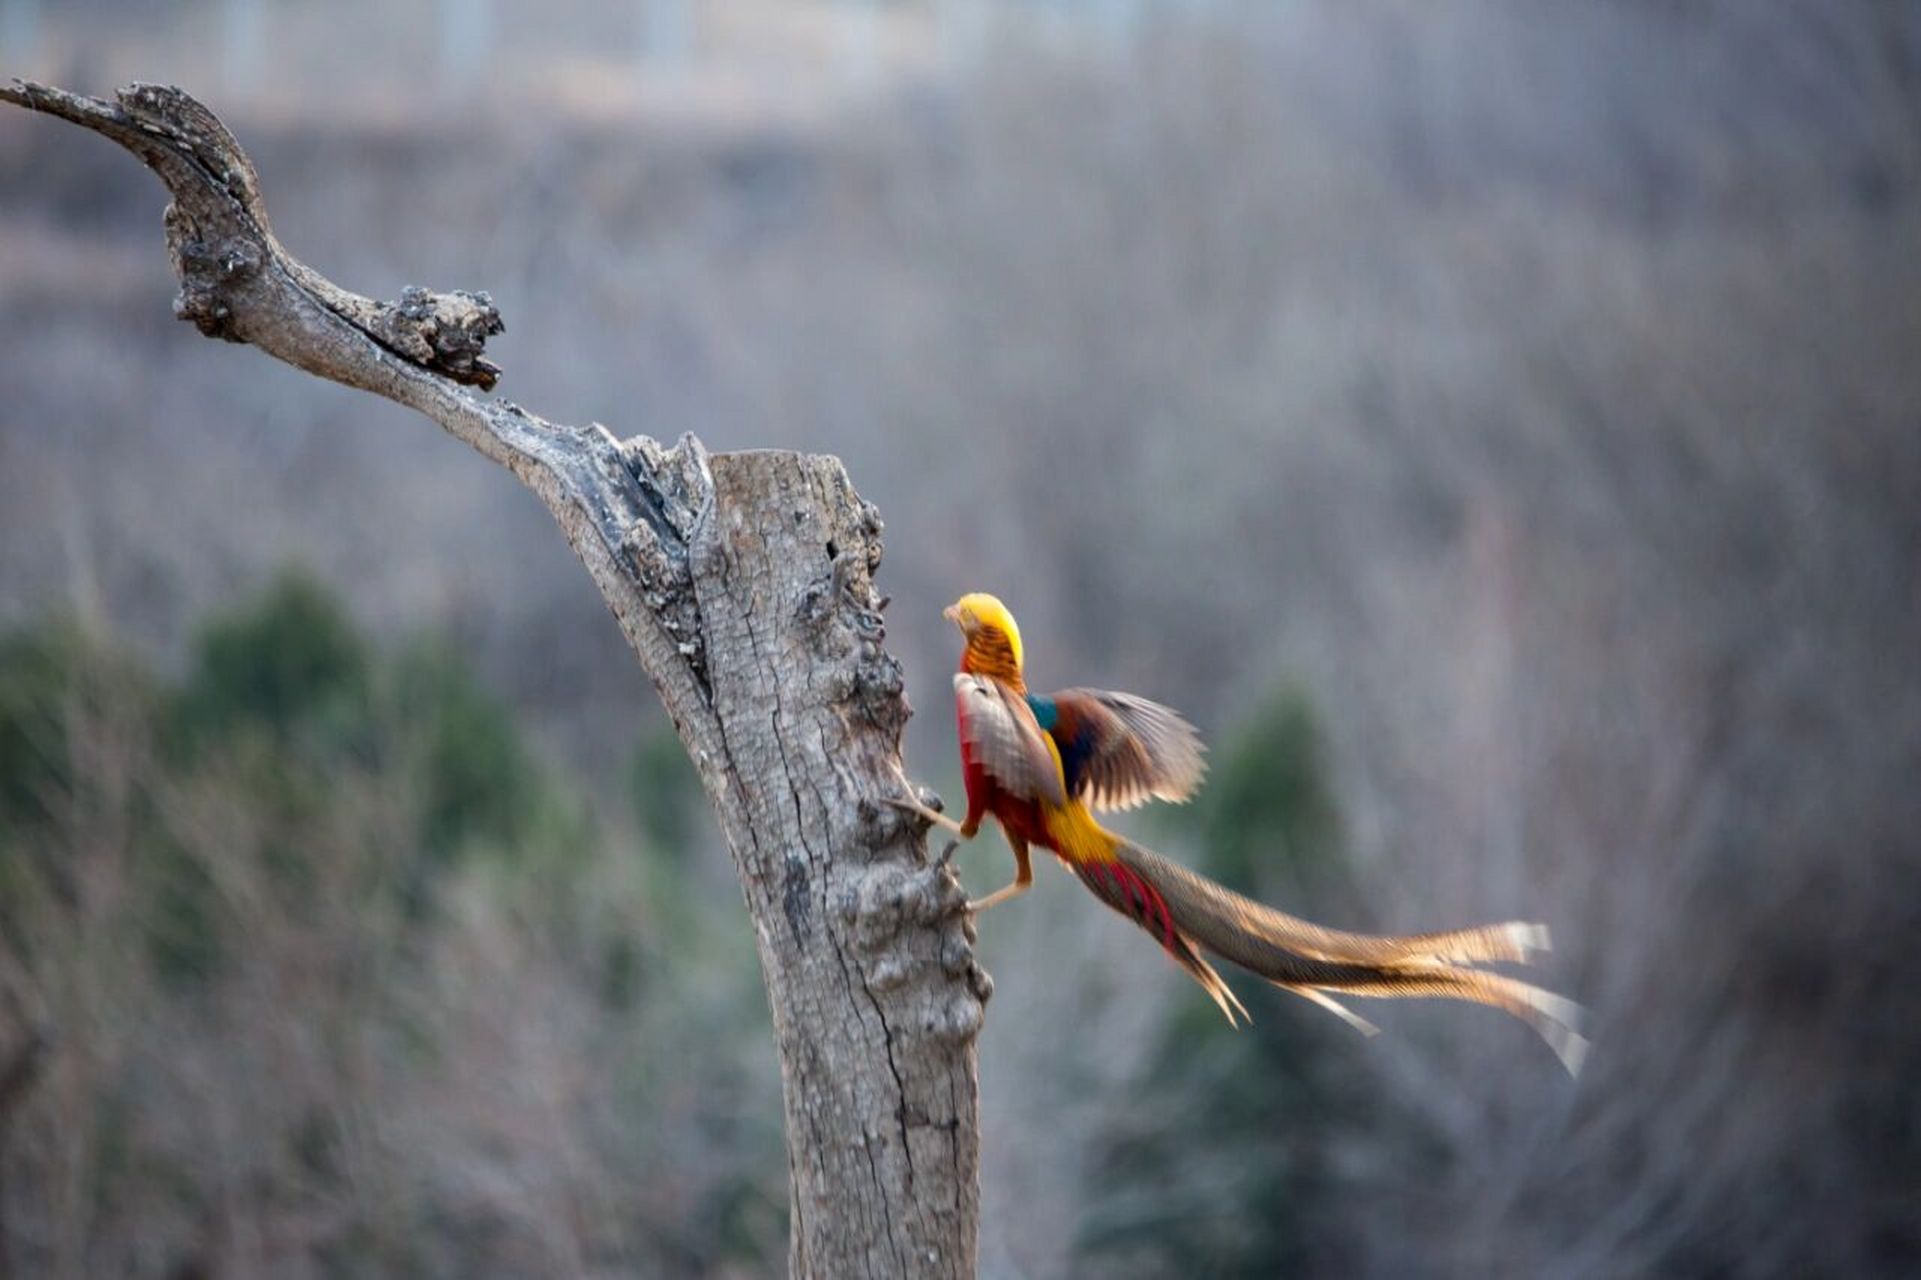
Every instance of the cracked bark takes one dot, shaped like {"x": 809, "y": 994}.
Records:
{"x": 745, "y": 584}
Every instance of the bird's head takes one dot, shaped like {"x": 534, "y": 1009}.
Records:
{"x": 993, "y": 638}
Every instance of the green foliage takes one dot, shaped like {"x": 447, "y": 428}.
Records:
{"x": 476, "y": 780}
{"x": 186, "y": 922}
{"x": 36, "y": 679}
{"x": 317, "y": 874}
{"x": 285, "y": 709}
{"x": 53, "y": 677}
{"x": 291, "y": 675}
{"x": 51, "y": 674}
{"x": 1269, "y": 805}
{"x": 666, "y": 792}
{"x": 290, "y": 666}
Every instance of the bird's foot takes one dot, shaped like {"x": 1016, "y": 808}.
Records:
{"x": 933, "y": 817}
{"x": 977, "y": 905}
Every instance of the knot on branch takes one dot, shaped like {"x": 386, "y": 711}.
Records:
{"x": 892, "y": 897}
{"x": 886, "y": 901}
{"x": 209, "y": 270}
{"x": 880, "y": 687}
{"x": 677, "y": 482}
{"x": 661, "y": 496}
{"x": 445, "y": 332}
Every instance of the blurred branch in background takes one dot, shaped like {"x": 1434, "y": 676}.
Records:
{"x": 19, "y": 1068}
{"x": 21, "y": 1060}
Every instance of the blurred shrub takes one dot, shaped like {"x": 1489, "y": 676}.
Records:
{"x": 666, "y": 792}
{"x": 289, "y": 665}
{"x": 287, "y": 703}
{"x": 322, "y": 898}
{"x": 50, "y": 673}
{"x": 475, "y": 777}
{"x": 289, "y": 678}
{"x": 1268, "y": 805}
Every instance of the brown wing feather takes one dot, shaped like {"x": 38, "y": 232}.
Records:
{"x": 1002, "y": 736}
{"x": 1136, "y": 750}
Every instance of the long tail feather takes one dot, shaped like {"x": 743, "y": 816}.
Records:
{"x": 1187, "y": 912}
{"x": 1553, "y": 1018}
{"x": 1134, "y": 898}
{"x": 1333, "y": 1006}
{"x": 1194, "y": 895}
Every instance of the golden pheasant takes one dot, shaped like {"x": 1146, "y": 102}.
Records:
{"x": 1040, "y": 764}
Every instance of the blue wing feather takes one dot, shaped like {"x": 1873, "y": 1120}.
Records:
{"x": 1118, "y": 750}
{"x": 1076, "y": 736}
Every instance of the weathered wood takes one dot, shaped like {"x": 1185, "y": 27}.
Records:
{"x": 745, "y": 584}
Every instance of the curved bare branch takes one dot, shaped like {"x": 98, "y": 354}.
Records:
{"x": 744, "y": 583}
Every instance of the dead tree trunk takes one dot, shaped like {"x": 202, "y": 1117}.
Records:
{"x": 744, "y": 583}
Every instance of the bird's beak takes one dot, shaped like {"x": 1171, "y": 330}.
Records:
{"x": 952, "y": 614}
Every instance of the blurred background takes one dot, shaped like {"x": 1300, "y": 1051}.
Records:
{"x": 1497, "y": 425}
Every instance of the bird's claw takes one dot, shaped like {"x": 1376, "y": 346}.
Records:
{"x": 932, "y": 817}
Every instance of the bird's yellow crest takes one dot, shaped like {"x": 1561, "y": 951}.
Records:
{"x": 981, "y": 617}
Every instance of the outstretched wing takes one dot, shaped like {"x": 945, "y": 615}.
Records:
{"x": 999, "y": 734}
{"x": 1119, "y": 751}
